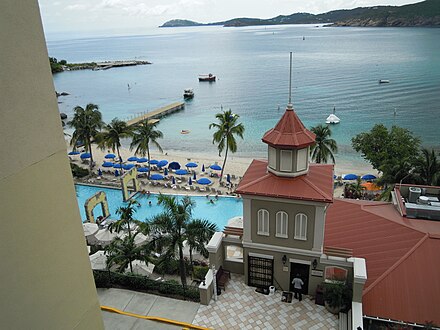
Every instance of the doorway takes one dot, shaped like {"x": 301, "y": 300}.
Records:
{"x": 303, "y": 271}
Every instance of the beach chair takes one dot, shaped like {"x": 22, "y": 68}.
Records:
{"x": 193, "y": 188}
{"x": 187, "y": 188}
{"x": 233, "y": 176}
{"x": 219, "y": 192}
{"x": 213, "y": 190}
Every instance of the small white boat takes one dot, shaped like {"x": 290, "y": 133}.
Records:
{"x": 188, "y": 93}
{"x": 332, "y": 119}
{"x": 384, "y": 81}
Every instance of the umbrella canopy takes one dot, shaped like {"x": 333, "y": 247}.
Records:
{"x": 156, "y": 177}
{"x": 110, "y": 156}
{"x": 107, "y": 164}
{"x": 141, "y": 268}
{"x": 90, "y": 228}
{"x": 73, "y": 153}
{"x": 204, "y": 181}
{"x": 194, "y": 176}
{"x": 140, "y": 239}
{"x": 127, "y": 166}
{"x": 165, "y": 172}
{"x": 153, "y": 162}
{"x": 133, "y": 159}
{"x": 203, "y": 167}
{"x": 174, "y": 166}
{"x": 368, "y": 177}
{"x": 143, "y": 169}
{"x": 85, "y": 155}
{"x": 104, "y": 236}
{"x": 190, "y": 181}
{"x": 117, "y": 166}
{"x": 98, "y": 260}
{"x": 162, "y": 163}
{"x": 191, "y": 165}
{"x": 99, "y": 172}
{"x": 142, "y": 160}
{"x": 370, "y": 186}
{"x": 350, "y": 177}
{"x": 173, "y": 180}
{"x": 215, "y": 167}
{"x": 236, "y": 222}
{"x": 228, "y": 178}
{"x": 182, "y": 172}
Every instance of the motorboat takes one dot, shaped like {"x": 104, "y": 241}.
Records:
{"x": 207, "y": 77}
{"x": 188, "y": 93}
{"x": 332, "y": 119}
{"x": 384, "y": 81}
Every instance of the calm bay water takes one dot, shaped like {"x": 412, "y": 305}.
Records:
{"x": 337, "y": 67}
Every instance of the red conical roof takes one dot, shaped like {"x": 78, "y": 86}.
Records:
{"x": 289, "y": 132}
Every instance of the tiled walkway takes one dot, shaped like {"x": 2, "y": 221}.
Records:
{"x": 240, "y": 307}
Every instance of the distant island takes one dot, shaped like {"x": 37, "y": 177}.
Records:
{"x": 426, "y": 13}
{"x": 62, "y": 65}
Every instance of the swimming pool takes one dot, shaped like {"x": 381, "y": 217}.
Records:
{"x": 220, "y": 212}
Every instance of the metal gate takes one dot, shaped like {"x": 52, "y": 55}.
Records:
{"x": 260, "y": 272}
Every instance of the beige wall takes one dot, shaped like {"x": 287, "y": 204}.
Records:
{"x": 291, "y": 209}
{"x": 46, "y": 280}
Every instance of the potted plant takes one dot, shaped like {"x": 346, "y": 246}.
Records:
{"x": 337, "y": 296}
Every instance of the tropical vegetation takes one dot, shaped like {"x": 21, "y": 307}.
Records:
{"x": 171, "y": 228}
{"x": 324, "y": 147}
{"x": 112, "y": 134}
{"x": 227, "y": 127}
{"x": 127, "y": 221}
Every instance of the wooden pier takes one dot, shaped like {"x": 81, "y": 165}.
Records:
{"x": 114, "y": 64}
{"x": 155, "y": 115}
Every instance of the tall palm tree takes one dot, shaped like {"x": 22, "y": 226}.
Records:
{"x": 126, "y": 212}
{"x": 227, "y": 127}
{"x": 123, "y": 251}
{"x": 324, "y": 146}
{"x": 143, "y": 134}
{"x": 87, "y": 123}
{"x": 112, "y": 134}
{"x": 199, "y": 232}
{"x": 427, "y": 168}
{"x": 170, "y": 228}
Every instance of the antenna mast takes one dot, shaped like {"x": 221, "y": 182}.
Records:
{"x": 289, "y": 105}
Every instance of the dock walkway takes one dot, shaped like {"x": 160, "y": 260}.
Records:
{"x": 155, "y": 115}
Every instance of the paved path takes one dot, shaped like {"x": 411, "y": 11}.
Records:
{"x": 144, "y": 304}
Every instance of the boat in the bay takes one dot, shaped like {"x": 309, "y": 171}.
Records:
{"x": 207, "y": 77}
{"x": 188, "y": 93}
{"x": 384, "y": 81}
{"x": 333, "y": 119}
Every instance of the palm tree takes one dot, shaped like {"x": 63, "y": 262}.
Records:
{"x": 171, "y": 228}
{"x": 199, "y": 232}
{"x": 324, "y": 146}
{"x": 145, "y": 133}
{"x": 227, "y": 127}
{"x": 112, "y": 135}
{"x": 123, "y": 251}
{"x": 126, "y": 212}
{"x": 86, "y": 123}
{"x": 427, "y": 168}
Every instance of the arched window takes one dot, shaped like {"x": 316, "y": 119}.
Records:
{"x": 263, "y": 222}
{"x": 282, "y": 220}
{"x": 301, "y": 226}
{"x": 335, "y": 274}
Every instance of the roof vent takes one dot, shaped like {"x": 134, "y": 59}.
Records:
{"x": 414, "y": 194}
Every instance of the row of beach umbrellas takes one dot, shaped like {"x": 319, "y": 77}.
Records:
{"x": 355, "y": 177}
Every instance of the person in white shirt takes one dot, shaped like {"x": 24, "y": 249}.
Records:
{"x": 297, "y": 287}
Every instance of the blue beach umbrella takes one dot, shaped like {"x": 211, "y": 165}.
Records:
{"x": 228, "y": 178}
{"x": 350, "y": 177}
{"x": 143, "y": 169}
{"x": 133, "y": 159}
{"x": 173, "y": 181}
{"x": 141, "y": 160}
{"x": 174, "y": 166}
{"x": 368, "y": 177}
{"x": 127, "y": 166}
{"x": 99, "y": 172}
{"x": 194, "y": 176}
{"x": 116, "y": 173}
{"x": 107, "y": 164}
{"x": 110, "y": 156}
{"x": 165, "y": 172}
{"x": 162, "y": 163}
{"x": 73, "y": 153}
{"x": 215, "y": 167}
{"x": 204, "y": 181}
{"x": 85, "y": 155}
{"x": 153, "y": 162}
{"x": 182, "y": 172}
{"x": 117, "y": 166}
{"x": 191, "y": 165}
{"x": 334, "y": 176}
{"x": 190, "y": 181}
{"x": 156, "y": 177}
{"x": 203, "y": 167}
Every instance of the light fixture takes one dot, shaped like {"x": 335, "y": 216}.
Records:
{"x": 284, "y": 259}
{"x": 314, "y": 264}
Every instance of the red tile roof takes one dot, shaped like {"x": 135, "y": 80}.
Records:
{"x": 289, "y": 132}
{"x": 316, "y": 185}
{"x": 402, "y": 256}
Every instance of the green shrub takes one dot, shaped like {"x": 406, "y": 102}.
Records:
{"x": 102, "y": 279}
{"x": 78, "y": 172}
{"x": 199, "y": 272}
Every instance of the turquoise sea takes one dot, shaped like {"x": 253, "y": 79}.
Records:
{"x": 337, "y": 67}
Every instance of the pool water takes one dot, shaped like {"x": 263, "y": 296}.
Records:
{"x": 219, "y": 213}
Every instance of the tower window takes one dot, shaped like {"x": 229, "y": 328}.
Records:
{"x": 286, "y": 161}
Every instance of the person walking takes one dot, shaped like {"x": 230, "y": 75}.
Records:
{"x": 297, "y": 286}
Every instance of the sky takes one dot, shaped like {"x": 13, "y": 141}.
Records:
{"x": 135, "y": 16}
